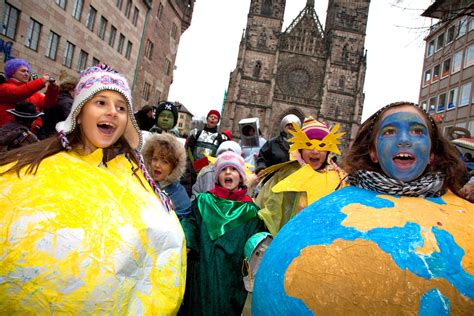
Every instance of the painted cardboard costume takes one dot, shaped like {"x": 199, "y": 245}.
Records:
{"x": 86, "y": 237}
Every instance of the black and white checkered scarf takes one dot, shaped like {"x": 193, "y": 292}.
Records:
{"x": 430, "y": 185}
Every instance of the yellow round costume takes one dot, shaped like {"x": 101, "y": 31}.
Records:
{"x": 76, "y": 242}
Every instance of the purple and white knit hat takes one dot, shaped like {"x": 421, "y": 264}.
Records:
{"x": 93, "y": 80}
{"x": 230, "y": 159}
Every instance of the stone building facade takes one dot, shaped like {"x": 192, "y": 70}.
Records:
{"x": 303, "y": 70}
{"x": 138, "y": 38}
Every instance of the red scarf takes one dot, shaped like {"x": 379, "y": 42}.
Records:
{"x": 239, "y": 194}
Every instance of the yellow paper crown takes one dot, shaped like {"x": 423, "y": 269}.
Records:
{"x": 301, "y": 141}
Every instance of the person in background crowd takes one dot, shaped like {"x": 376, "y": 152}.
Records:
{"x": 166, "y": 117}
{"x": 206, "y": 178}
{"x": 17, "y": 133}
{"x": 227, "y": 133}
{"x": 85, "y": 230}
{"x": 221, "y": 222}
{"x": 145, "y": 118}
{"x": 275, "y": 150}
{"x": 201, "y": 142}
{"x": 18, "y": 88}
{"x": 165, "y": 159}
{"x": 311, "y": 175}
{"x": 57, "y": 114}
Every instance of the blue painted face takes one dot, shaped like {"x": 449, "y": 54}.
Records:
{"x": 403, "y": 145}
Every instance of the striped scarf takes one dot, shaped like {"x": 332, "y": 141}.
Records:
{"x": 430, "y": 185}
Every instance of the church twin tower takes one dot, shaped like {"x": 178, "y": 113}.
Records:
{"x": 303, "y": 70}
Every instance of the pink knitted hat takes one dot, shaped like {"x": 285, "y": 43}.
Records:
{"x": 314, "y": 129}
{"x": 230, "y": 159}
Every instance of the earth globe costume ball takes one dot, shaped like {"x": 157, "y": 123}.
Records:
{"x": 360, "y": 252}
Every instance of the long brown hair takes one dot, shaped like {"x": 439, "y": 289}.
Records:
{"x": 446, "y": 159}
{"x": 31, "y": 155}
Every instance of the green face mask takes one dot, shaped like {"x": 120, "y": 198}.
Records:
{"x": 166, "y": 120}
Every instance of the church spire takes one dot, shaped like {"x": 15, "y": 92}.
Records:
{"x": 310, "y": 3}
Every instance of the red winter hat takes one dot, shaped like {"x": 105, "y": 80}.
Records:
{"x": 216, "y": 113}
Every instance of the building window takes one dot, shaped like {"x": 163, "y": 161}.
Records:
{"x": 95, "y": 61}
{"x": 128, "y": 51}
{"x": 160, "y": 11}
{"x": 471, "y": 126}
{"x": 469, "y": 60}
{"x": 33, "y": 34}
{"x": 167, "y": 66}
{"x": 424, "y": 105}
{"x": 471, "y": 26}
{"x": 52, "y": 47}
{"x": 431, "y": 47}
{"x": 82, "y": 64}
{"x": 446, "y": 67}
{"x": 68, "y": 54}
{"x": 462, "y": 26}
{"x": 10, "y": 21}
{"x": 146, "y": 91}
{"x": 118, "y": 4}
{"x": 436, "y": 72}
{"x": 450, "y": 34}
{"x": 465, "y": 94}
{"x": 149, "y": 49}
{"x": 102, "y": 27}
{"x": 90, "y": 20}
{"x": 61, "y": 3}
{"x": 441, "y": 103}
{"x": 174, "y": 29}
{"x": 120, "y": 43}
{"x": 136, "y": 12}
{"x": 440, "y": 41}
{"x": 158, "y": 96}
{"x": 452, "y": 98}
{"x": 77, "y": 9}
{"x": 457, "y": 60}
{"x": 128, "y": 8}
{"x": 432, "y": 105}
{"x": 113, "y": 32}
{"x": 427, "y": 77}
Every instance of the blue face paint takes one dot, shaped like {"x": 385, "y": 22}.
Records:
{"x": 403, "y": 146}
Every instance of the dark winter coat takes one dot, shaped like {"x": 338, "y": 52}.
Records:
{"x": 273, "y": 152}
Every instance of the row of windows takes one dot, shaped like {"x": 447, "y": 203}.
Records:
{"x": 449, "y": 35}
{"x": 33, "y": 35}
{"x": 469, "y": 125}
{"x": 450, "y": 65}
{"x": 456, "y": 97}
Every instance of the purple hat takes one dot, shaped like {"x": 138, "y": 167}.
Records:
{"x": 13, "y": 64}
{"x": 230, "y": 159}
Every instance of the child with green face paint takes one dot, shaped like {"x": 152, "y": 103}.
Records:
{"x": 166, "y": 117}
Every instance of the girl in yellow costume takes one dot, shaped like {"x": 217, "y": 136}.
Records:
{"x": 83, "y": 227}
{"x": 309, "y": 175}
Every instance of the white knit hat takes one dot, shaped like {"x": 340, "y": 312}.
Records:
{"x": 229, "y": 145}
{"x": 95, "y": 79}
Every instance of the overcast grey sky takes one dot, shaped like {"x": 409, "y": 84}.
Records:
{"x": 208, "y": 51}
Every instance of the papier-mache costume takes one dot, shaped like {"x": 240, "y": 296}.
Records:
{"x": 398, "y": 240}
{"x": 87, "y": 232}
{"x": 221, "y": 222}
{"x": 295, "y": 184}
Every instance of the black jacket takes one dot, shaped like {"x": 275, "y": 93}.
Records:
{"x": 275, "y": 151}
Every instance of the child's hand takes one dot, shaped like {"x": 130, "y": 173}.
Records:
{"x": 467, "y": 192}
{"x": 188, "y": 250}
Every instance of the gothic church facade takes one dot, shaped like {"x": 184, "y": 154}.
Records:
{"x": 303, "y": 70}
